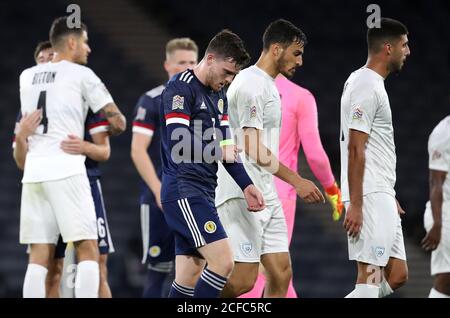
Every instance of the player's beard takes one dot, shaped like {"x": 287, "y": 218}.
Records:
{"x": 283, "y": 67}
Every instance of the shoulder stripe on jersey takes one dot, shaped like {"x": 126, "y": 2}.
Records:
{"x": 183, "y": 75}
{"x": 189, "y": 79}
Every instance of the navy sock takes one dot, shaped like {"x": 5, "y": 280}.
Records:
{"x": 178, "y": 291}
{"x": 209, "y": 285}
{"x": 154, "y": 284}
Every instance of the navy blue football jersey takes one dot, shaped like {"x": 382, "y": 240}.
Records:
{"x": 186, "y": 101}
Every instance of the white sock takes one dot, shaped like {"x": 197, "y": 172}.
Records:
{"x": 87, "y": 280}
{"x": 385, "y": 289}
{"x": 34, "y": 282}
{"x": 365, "y": 291}
{"x": 435, "y": 294}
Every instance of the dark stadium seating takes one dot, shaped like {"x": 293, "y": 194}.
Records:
{"x": 419, "y": 97}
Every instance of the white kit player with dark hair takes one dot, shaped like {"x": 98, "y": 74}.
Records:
{"x": 437, "y": 212}
{"x": 56, "y": 196}
{"x": 368, "y": 163}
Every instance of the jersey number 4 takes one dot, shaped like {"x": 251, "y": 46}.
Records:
{"x": 42, "y": 102}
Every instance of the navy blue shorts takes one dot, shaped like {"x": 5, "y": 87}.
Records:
{"x": 195, "y": 223}
{"x": 105, "y": 244}
{"x": 157, "y": 237}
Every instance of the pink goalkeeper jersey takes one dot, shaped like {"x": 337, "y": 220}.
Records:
{"x": 300, "y": 126}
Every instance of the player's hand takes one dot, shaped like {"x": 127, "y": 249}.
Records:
{"x": 29, "y": 123}
{"x": 431, "y": 241}
{"x": 73, "y": 145}
{"x": 308, "y": 191}
{"x": 230, "y": 153}
{"x": 254, "y": 198}
{"x": 399, "y": 208}
{"x": 333, "y": 194}
{"x": 353, "y": 220}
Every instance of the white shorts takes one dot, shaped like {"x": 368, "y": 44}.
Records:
{"x": 57, "y": 207}
{"x": 381, "y": 234}
{"x": 440, "y": 257}
{"x": 253, "y": 234}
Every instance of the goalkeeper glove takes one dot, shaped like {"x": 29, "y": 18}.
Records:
{"x": 333, "y": 195}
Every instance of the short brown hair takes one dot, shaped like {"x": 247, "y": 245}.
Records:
{"x": 229, "y": 45}
{"x": 60, "y": 29}
{"x": 42, "y": 46}
{"x": 181, "y": 44}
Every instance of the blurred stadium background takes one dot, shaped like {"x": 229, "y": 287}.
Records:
{"x": 127, "y": 40}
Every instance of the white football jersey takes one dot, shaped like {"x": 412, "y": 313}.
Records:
{"x": 439, "y": 153}
{"x": 365, "y": 107}
{"x": 64, "y": 91}
{"x": 253, "y": 101}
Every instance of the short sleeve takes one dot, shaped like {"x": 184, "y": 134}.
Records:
{"x": 363, "y": 108}
{"x": 177, "y": 100}
{"x": 439, "y": 151}
{"x": 146, "y": 116}
{"x": 250, "y": 108}
{"x": 94, "y": 91}
{"x": 96, "y": 123}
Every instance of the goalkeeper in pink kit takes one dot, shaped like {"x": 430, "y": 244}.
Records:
{"x": 299, "y": 127}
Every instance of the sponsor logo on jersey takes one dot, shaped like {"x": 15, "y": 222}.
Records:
{"x": 154, "y": 251}
{"x": 178, "y": 102}
{"x": 203, "y": 105}
{"x": 357, "y": 113}
{"x": 220, "y": 105}
{"x": 436, "y": 155}
{"x": 102, "y": 243}
{"x": 210, "y": 227}
{"x": 253, "y": 112}
{"x": 379, "y": 251}
{"x": 141, "y": 112}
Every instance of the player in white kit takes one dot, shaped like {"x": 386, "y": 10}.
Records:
{"x": 56, "y": 196}
{"x": 255, "y": 119}
{"x": 437, "y": 212}
{"x": 368, "y": 163}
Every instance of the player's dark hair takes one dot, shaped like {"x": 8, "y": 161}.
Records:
{"x": 42, "y": 46}
{"x": 60, "y": 28}
{"x": 283, "y": 32}
{"x": 228, "y": 45}
{"x": 390, "y": 30}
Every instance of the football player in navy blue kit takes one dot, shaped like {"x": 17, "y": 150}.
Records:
{"x": 157, "y": 238}
{"x": 194, "y": 137}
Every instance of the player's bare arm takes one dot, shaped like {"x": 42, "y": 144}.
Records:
{"x": 256, "y": 150}
{"x": 27, "y": 126}
{"x": 98, "y": 150}
{"x": 431, "y": 241}
{"x": 116, "y": 119}
{"x": 356, "y": 160}
{"x": 144, "y": 164}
